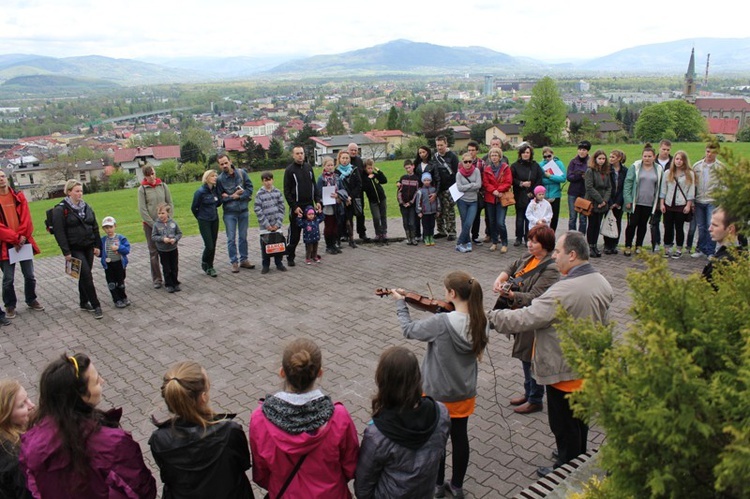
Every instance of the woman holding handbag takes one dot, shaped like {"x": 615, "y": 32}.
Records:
{"x": 498, "y": 182}
{"x": 677, "y": 195}
{"x": 527, "y": 174}
{"x": 598, "y": 190}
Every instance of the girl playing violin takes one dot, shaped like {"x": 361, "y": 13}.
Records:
{"x": 456, "y": 341}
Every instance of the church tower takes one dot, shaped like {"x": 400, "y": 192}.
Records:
{"x": 689, "y": 88}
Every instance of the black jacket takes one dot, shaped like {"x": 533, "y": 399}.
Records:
{"x": 299, "y": 187}
{"x": 12, "y": 480}
{"x": 373, "y": 187}
{"x": 198, "y": 463}
{"x": 72, "y": 231}
{"x": 524, "y": 171}
{"x": 617, "y": 186}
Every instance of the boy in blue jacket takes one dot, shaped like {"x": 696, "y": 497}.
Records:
{"x": 114, "y": 256}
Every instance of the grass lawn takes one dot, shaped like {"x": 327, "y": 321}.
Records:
{"x": 123, "y": 205}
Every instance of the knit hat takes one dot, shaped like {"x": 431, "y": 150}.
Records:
{"x": 538, "y": 189}
{"x": 109, "y": 222}
{"x": 309, "y": 209}
{"x": 426, "y": 176}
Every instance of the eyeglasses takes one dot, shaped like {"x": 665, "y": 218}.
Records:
{"x": 468, "y": 162}
{"x": 547, "y": 156}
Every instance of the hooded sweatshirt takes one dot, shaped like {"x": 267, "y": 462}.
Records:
{"x": 285, "y": 427}
{"x": 449, "y": 368}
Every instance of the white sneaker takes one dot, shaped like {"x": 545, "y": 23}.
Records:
{"x": 657, "y": 247}
{"x": 697, "y": 254}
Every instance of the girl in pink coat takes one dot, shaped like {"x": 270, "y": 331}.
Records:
{"x": 303, "y": 444}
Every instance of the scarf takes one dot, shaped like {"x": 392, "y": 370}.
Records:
{"x": 298, "y": 418}
{"x": 466, "y": 172}
{"x": 146, "y": 183}
{"x": 79, "y": 208}
{"x": 345, "y": 170}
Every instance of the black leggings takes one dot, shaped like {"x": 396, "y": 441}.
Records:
{"x": 460, "y": 446}
{"x": 637, "y": 220}
{"x": 594, "y": 227}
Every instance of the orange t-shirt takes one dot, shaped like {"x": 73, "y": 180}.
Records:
{"x": 572, "y": 385}
{"x": 8, "y": 205}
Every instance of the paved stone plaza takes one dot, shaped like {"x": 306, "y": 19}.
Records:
{"x": 236, "y": 326}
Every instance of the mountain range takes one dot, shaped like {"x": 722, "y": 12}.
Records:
{"x": 399, "y": 57}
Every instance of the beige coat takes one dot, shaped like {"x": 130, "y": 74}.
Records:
{"x": 584, "y": 293}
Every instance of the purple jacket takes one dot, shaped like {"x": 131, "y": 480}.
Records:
{"x": 116, "y": 467}
{"x": 576, "y": 169}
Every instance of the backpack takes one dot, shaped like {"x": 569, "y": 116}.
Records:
{"x": 49, "y": 214}
{"x": 447, "y": 178}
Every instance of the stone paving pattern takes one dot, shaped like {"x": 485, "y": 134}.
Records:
{"x": 237, "y": 325}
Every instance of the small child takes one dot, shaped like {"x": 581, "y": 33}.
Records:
{"x": 310, "y": 224}
{"x": 165, "y": 234}
{"x": 539, "y": 211}
{"x": 408, "y": 186}
{"x": 427, "y": 209}
{"x": 330, "y": 230}
{"x": 269, "y": 208}
{"x": 372, "y": 186}
{"x": 114, "y": 255}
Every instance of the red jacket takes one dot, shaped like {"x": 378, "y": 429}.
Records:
{"x": 332, "y": 452}
{"x": 501, "y": 183}
{"x": 9, "y": 237}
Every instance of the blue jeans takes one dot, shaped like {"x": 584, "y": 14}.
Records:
{"x": 703, "y": 214}
{"x": 467, "y": 210}
{"x": 534, "y": 392}
{"x": 236, "y": 225}
{"x": 573, "y": 215}
{"x": 29, "y": 288}
{"x": 498, "y": 231}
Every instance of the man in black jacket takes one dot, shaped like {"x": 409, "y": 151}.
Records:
{"x": 446, "y": 168}
{"x": 299, "y": 192}
{"x": 359, "y": 169}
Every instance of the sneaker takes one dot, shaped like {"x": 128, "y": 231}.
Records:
{"x": 98, "y": 313}
{"x": 281, "y": 268}
{"x": 235, "y": 268}
{"x": 318, "y": 259}
{"x": 10, "y": 312}
{"x": 264, "y": 270}
{"x": 697, "y": 254}
{"x": 468, "y": 247}
{"x": 503, "y": 249}
{"x": 677, "y": 254}
{"x": 487, "y": 239}
{"x": 477, "y": 241}
{"x": 667, "y": 252}
{"x": 35, "y": 305}
{"x": 451, "y": 237}
{"x": 456, "y": 492}
{"x": 331, "y": 251}
{"x": 308, "y": 261}
{"x": 177, "y": 288}
{"x": 461, "y": 248}
{"x": 493, "y": 247}
{"x": 656, "y": 248}
{"x": 638, "y": 251}
{"x": 627, "y": 251}
{"x": 439, "y": 490}
{"x": 170, "y": 289}
{"x": 120, "y": 304}
{"x": 127, "y": 302}
{"x": 87, "y": 307}
{"x": 290, "y": 263}
{"x": 439, "y": 235}
{"x": 4, "y": 321}
{"x": 157, "y": 285}
{"x": 211, "y": 271}
{"x": 245, "y": 264}
{"x": 517, "y": 243}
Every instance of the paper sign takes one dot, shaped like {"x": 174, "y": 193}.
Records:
{"x": 329, "y": 195}
{"x": 26, "y": 253}
{"x": 552, "y": 168}
{"x": 455, "y": 193}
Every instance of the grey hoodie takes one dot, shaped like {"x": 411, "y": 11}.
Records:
{"x": 449, "y": 368}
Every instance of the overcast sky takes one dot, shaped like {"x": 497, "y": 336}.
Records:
{"x": 549, "y": 30}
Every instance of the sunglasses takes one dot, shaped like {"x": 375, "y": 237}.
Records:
{"x": 547, "y": 156}
{"x": 468, "y": 162}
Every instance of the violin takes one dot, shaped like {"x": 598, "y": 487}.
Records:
{"x": 419, "y": 302}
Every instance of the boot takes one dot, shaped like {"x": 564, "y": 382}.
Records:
{"x": 385, "y": 240}
{"x": 352, "y": 244}
{"x": 594, "y": 251}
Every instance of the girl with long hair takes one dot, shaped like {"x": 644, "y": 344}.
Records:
{"x": 527, "y": 174}
{"x": 405, "y": 441}
{"x": 74, "y": 450}
{"x": 15, "y": 411}
{"x": 349, "y": 185}
{"x": 196, "y": 438}
{"x": 641, "y": 196}
{"x": 598, "y": 190}
{"x": 617, "y": 173}
{"x": 303, "y": 444}
{"x": 456, "y": 341}
{"x": 677, "y": 196}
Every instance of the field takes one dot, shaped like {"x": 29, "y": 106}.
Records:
{"x": 123, "y": 205}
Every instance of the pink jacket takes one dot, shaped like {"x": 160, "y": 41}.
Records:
{"x": 332, "y": 453}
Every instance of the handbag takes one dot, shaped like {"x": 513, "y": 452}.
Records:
{"x": 273, "y": 242}
{"x": 507, "y": 198}
{"x": 609, "y": 226}
{"x": 583, "y": 206}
